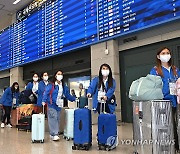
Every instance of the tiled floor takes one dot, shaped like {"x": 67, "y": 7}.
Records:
{"x": 19, "y": 142}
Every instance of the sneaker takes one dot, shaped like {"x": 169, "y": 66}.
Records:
{"x": 9, "y": 126}
{"x": 56, "y": 138}
{"x": 2, "y": 125}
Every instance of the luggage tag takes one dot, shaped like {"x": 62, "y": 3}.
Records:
{"x": 14, "y": 101}
{"x": 172, "y": 86}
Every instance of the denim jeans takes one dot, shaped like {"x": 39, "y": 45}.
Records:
{"x": 53, "y": 121}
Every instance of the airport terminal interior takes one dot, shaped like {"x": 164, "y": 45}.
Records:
{"x": 86, "y": 53}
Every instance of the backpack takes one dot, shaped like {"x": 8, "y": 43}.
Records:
{"x": 27, "y": 97}
{"x": 146, "y": 88}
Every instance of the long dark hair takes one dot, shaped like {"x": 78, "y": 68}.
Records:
{"x": 33, "y": 75}
{"x": 110, "y": 79}
{"x": 158, "y": 62}
{"x": 54, "y": 78}
{"x": 41, "y": 79}
{"x": 13, "y": 87}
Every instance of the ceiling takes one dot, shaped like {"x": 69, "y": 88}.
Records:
{"x": 7, "y": 8}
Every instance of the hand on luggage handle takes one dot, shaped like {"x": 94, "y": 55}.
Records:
{"x": 88, "y": 95}
{"x": 43, "y": 104}
{"x": 86, "y": 107}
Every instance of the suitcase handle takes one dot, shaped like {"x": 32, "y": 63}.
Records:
{"x": 80, "y": 125}
{"x": 102, "y": 108}
{"x": 140, "y": 115}
{"x": 43, "y": 109}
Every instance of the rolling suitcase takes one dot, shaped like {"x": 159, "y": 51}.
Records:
{"x": 62, "y": 120}
{"x": 107, "y": 131}
{"x": 82, "y": 129}
{"x": 152, "y": 127}
{"x": 38, "y": 127}
{"x": 69, "y": 124}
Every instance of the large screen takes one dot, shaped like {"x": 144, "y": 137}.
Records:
{"x": 62, "y": 25}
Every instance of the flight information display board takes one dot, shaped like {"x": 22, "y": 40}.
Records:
{"x": 62, "y": 25}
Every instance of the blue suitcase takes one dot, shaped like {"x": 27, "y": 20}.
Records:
{"x": 82, "y": 129}
{"x": 107, "y": 131}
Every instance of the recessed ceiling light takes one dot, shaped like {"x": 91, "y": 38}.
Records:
{"x": 16, "y": 1}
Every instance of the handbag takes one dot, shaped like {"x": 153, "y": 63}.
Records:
{"x": 112, "y": 100}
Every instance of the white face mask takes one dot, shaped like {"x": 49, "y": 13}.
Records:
{"x": 59, "y": 77}
{"x": 165, "y": 58}
{"x": 45, "y": 78}
{"x": 105, "y": 72}
{"x": 16, "y": 88}
{"x": 35, "y": 79}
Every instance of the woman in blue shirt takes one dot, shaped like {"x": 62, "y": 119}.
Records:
{"x": 9, "y": 98}
{"x": 53, "y": 96}
{"x": 41, "y": 87}
{"x": 33, "y": 85}
{"x": 169, "y": 74}
{"x": 102, "y": 89}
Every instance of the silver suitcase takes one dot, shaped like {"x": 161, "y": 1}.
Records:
{"x": 153, "y": 127}
{"x": 69, "y": 124}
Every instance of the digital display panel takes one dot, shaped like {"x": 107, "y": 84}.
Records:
{"x": 62, "y": 25}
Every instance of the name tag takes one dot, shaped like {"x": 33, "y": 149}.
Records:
{"x": 14, "y": 101}
{"x": 172, "y": 88}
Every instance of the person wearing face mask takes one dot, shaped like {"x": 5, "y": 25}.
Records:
{"x": 33, "y": 85}
{"x": 169, "y": 74}
{"x": 53, "y": 96}
{"x": 102, "y": 89}
{"x": 41, "y": 87}
{"x": 10, "y": 98}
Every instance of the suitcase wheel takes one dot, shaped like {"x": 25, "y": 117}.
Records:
{"x": 33, "y": 141}
{"x": 67, "y": 138}
{"x": 42, "y": 141}
{"x": 78, "y": 147}
{"x": 73, "y": 147}
{"x": 87, "y": 148}
{"x": 99, "y": 147}
{"x": 107, "y": 149}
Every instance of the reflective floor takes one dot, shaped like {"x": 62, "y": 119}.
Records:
{"x": 19, "y": 142}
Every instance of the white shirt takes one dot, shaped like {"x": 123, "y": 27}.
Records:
{"x": 101, "y": 89}
{"x": 60, "y": 92}
{"x": 59, "y": 100}
{"x": 35, "y": 87}
{"x": 102, "y": 93}
{"x": 46, "y": 82}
